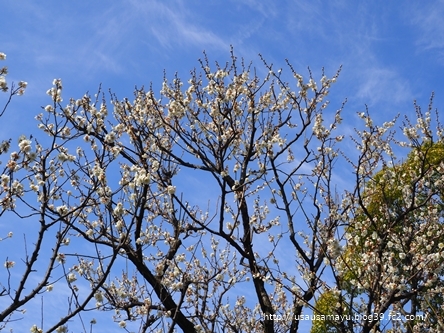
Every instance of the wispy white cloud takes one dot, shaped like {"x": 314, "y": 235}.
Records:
{"x": 381, "y": 85}
{"x": 267, "y": 9}
{"x": 353, "y": 36}
{"x": 428, "y": 18}
{"x": 106, "y": 40}
{"x": 174, "y": 25}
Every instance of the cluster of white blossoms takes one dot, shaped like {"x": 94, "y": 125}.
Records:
{"x": 3, "y": 73}
{"x": 62, "y": 210}
{"x": 71, "y": 277}
{"x": 8, "y": 190}
{"x": 60, "y": 329}
{"x": 141, "y": 175}
{"x": 35, "y": 329}
{"x": 9, "y": 264}
{"x": 334, "y": 248}
{"x": 4, "y": 179}
{"x": 55, "y": 92}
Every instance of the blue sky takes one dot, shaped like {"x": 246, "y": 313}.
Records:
{"x": 391, "y": 53}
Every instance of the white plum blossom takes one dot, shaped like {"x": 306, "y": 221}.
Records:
{"x": 4, "y": 179}
{"x": 9, "y": 264}
{"x": 171, "y": 189}
{"x": 25, "y": 145}
{"x": 71, "y": 277}
{"x": 35, "y": 329}
{"x": 3, "y": 84}
{"x": 119, "y": 210}
{"x": 62, "y": 210}
{"x": 62, "y": 329}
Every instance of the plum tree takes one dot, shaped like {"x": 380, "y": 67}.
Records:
{"x": 214, "y": 207}
{"x": 397, "y": 223}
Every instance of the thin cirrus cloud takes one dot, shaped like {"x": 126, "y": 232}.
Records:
{"x": 381, "y": 84}
{"x": 428, "y": 20}
{"x": 174, "y": 27}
